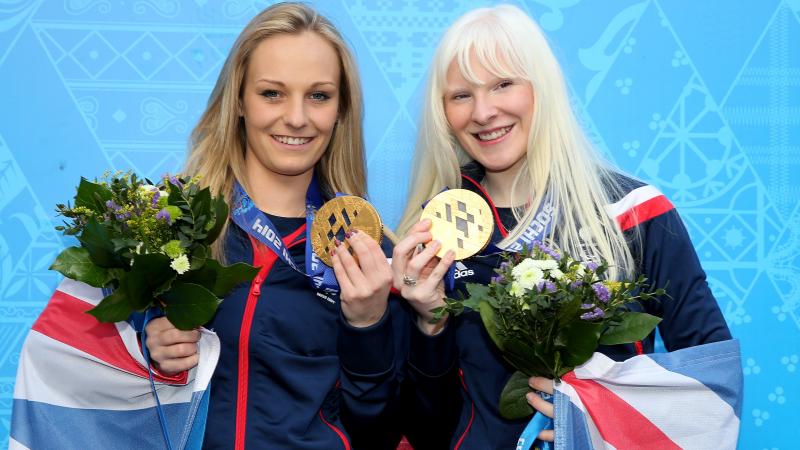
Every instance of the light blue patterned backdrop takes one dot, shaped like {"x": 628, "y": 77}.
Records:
{"x": 701, "y": 98}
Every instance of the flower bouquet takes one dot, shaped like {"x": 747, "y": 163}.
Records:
{"x": 548, "y": 313}
{"x": 149, "y": 246}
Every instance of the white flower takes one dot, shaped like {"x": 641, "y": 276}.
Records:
{"x": 556, "y": 274}
{"x": 530, "y": 278}
{"x": 516, "y": 290}
{"x": 180, "y": 264}
{"x": 522, "y": 267}
{"x": 546, "y": 264}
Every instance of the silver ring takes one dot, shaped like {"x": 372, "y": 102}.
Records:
{"x": 408, "y": 281}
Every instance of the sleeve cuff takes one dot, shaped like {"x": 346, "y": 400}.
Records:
{"x": 433, "y": 356}
{"x": 369, "y": 350}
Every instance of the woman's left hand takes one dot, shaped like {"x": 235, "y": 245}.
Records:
{"x": 364, "y": 283}
{"x": 541, "y": 384}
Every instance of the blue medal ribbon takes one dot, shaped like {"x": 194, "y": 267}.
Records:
{"x": 257, "y": 224}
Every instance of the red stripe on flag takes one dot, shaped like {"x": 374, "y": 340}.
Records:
{"x": 618, "y": 422}
{"x": 644, "y": 211}
{"x": 65, "y": 320}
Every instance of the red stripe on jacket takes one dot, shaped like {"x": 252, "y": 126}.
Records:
{"x": 643, "y": 212}
{"x": 265, "y": 258}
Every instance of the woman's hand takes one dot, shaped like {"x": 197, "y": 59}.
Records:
{"x": 365, "y": 284}
{"x": 541, "y": 384}
{"x": 419, "y": 275}
{"x": 171, "y": 350}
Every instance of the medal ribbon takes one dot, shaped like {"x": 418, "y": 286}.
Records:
{"x": 258, "y": 225}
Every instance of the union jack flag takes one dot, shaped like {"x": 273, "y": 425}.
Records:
{"x": 84, "y": 385}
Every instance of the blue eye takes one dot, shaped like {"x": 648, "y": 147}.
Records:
{"x": 460, "y": 96}
{"x": 270, "y": 93}
{"x": 319, "y": 96}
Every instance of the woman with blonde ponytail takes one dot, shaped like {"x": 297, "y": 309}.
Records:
{"x": 498, "y": 121}
{"x": 305, "y": 359}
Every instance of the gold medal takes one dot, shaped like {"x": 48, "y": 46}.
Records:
{"x": 461, "y": 220}
{"x": 338, "y": 216}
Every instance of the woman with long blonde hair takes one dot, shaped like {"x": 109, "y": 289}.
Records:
{"x": 302, "y": 361}
{"x": 498, "y": 121}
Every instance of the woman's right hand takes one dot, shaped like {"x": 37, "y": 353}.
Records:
{"x": 171, "y": 350}
{"x": 419, "y": 276}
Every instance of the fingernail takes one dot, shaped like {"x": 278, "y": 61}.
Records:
{"x": 353, "y": 231}
{"x": 451, "y": 254}
{"x": 337, "y": 242}
{"x": 436, "y": 244}
{"x": 348, "y": 234}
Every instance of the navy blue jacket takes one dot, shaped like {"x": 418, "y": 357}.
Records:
{"x": 463, "y": 362}
{"x": 292, "y": 374}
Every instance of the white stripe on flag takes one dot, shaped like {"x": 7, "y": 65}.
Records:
{"x": 82, "y": 291}
{"x": 61, "y": 375}
{"x": 14, "y": 445}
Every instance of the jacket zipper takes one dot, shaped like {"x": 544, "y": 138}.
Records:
{"x": 266, "y": 259}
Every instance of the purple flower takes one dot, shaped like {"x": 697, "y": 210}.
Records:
{"x": 154, "y": 201}
{"x": 176, "y": 182}
{"x": 597, "y": 313}
{"x": 602, "y": 292}
{"x": 164, "y": 215}
{"x": 111, "y": 205}
{"x": 546, "y": 286}
{"x": 547, "y": 250}
{"x": 576, "y": 284}
{"x": 498, "y": 279}
{"x": 587, "y": 305}
{"x": 591, "y": 265}
{"x": 504, "y": 265}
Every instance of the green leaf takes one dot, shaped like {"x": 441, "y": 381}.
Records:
{"x": 74, "y": 262}
{"x": 220, "y": 279}
{"x": 113, "y": 308}
{"x": 577, "y": 341}
{"x": 634, "y": 326}
{"x": 199, "y": 256}
{"x": 513, "y": 404}
{"x": 526, "y": 359}
{"x": 123, "y": 243}
{"x": 476, "y": 295}
{"x": 220, "y": 217}
{"x": 152, "y": 271}
{"x": 96, "y": 240}
{"x": 92, "y": 195}
{"x": 189, "y": 306}
{"x": 201, "y": 206}
{"x": 490, "y": 323}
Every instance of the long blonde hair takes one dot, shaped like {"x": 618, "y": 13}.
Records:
{"x": 559, "y": 161}
{"x": 218, "y": 141}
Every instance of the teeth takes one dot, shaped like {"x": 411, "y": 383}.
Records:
{"x": 494, "y": 134}
{"x": 292, "y": 140}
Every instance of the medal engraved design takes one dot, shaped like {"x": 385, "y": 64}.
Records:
{"x": 338, "y": 216}
{"x": 461, "y": 220}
